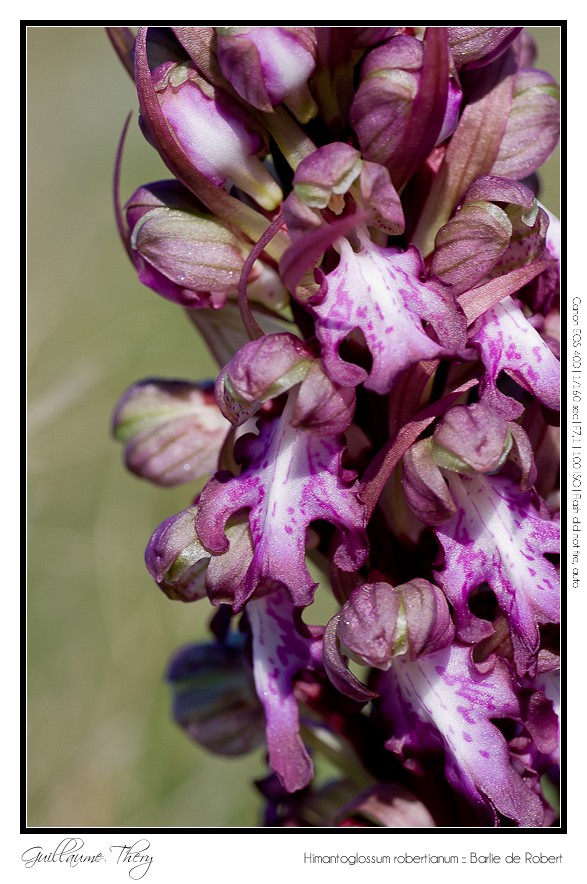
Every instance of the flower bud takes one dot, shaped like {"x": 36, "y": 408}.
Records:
{"x": 380, "y": 622}
{"x": 176, "y": 559}
{"x": 322, "y": 407}
{"x": 325, "y": 174}
{"x": 424, "y": 486}
{"x": 477, "y": 45}
{"x": 471, "y": 438}
{"x": 390, "y": 79}
{"x": 186, "y": 571}
{"x": 172, "y": 430}
{"x": 214, "y": 697}
{"x": 188, "y": 256}
{"x": 214, "y": 133}
{"x": 184, "y": 255}
{"x": 498, "y": 226}
{"x": 268, "y": 66}
{"x": 532, "y": 128}
{"x": 261, "y": 370}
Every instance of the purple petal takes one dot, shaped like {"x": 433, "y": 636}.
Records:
{"x": 441, "y": 700}
{"x": 508, "y": 342}
{"x": 377, "y": 193}
{"x": 380, "y": 292}
{"x": 279, "y": 653}
{"x": 336, "y": 665}
{"x": 451, "y": 113}
{"x": 291, "y": 478}
{"x": 479, "y": 548}
{"x": 424, "y": 486}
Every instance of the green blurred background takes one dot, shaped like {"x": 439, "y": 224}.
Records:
{"x": 102, "y": 751}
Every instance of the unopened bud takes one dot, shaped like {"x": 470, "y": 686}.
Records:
{"x": 214, "y": 697}
{"x": 214, "y": 133}
{"x": 172, "y": 430}
{"x": 380, "y": 622}
{"x": 261, "y": 370}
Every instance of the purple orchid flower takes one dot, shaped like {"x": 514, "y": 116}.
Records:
{"x": 352, "y": 229}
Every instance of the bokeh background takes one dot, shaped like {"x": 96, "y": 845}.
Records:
{"x": 102, "y": 750}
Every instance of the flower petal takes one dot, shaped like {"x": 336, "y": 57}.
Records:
{"x": 380, "y": 292}
{"x": 508, "y": 342}
{"x": 441, "y": 700}
{"x": 478, "y": 548}
{"x": 290, "y": 479}
{"x": 279, "y": 653}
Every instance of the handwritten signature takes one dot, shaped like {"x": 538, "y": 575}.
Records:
{"x": 69, "y": 851}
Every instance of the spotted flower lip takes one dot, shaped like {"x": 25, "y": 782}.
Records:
{"x": 280, "y": 651}
{"x": 352, "y": 229}
{"x": 478, "y": 549}
{"x": 284, "y": 459}
{"x": 380, "y": 292}
{"x": 509, "y": 343}
{"x": 440, "y": 701}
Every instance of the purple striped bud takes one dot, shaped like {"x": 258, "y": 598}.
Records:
{"x": 182, "y": 253}
{"x": 499, "y": 226}
{"x": 172, "y": 430}
{"x": 261, "y": 370}
{"x": 532, "y": 128}
{"x": 214, "y": 697}
{"x": 327, "y": 174}
{"x": 475, "y": 46}
{"x": 380, "y": 112}
{"x": 471, "y": 438}
{"x": 380, "y": 622}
